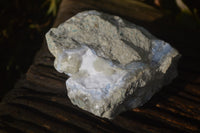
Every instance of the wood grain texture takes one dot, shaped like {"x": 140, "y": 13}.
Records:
{"x": 39, "y": 103}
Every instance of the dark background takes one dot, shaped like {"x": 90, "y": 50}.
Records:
{"x": 22, "y": 28}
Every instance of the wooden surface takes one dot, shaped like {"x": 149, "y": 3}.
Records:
{"x": 39, "y": 103}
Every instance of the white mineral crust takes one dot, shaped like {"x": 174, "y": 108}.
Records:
{"x": 114, "y": 65}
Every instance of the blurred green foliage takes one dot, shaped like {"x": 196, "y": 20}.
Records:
{"x": 187, "y": 16}
{"x": 185, "y": 12}
{"x": 22, "y": 28}
{"x": 53, "y": 6}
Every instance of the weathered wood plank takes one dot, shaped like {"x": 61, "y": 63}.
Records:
{"x": 131, "y": 9}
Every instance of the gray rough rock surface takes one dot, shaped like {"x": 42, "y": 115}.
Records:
{"x": 114, "y": 65}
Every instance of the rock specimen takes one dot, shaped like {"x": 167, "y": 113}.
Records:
{"x": 114, "y": 65}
